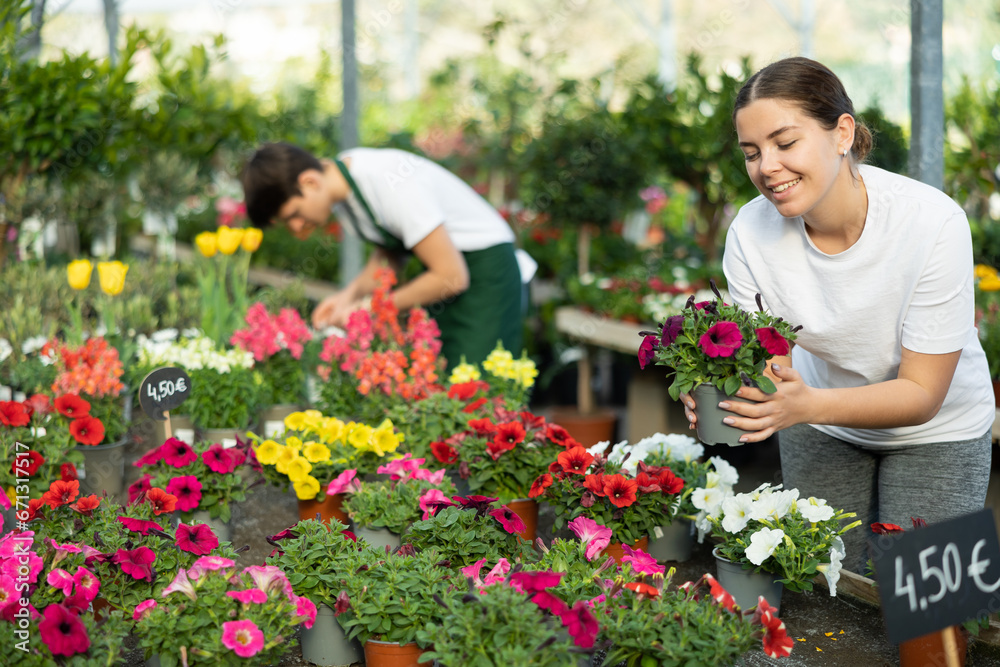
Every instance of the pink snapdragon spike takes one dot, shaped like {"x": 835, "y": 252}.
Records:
{"x": 143, "y": 608}
{"x": 266, "y": 335}
{"x": 63, "y": 632}
{"x": 345, "y": 482}
{"x": 306, "y": 610}
{"x": 509, "y": 519}
{"x": 244, "y": 638}
{"x": 641, "y": 561}
{"x": 535, "y": 582}
{"x": 433, "y": 500}
{"x": 60, "y": 579}
{"x": 581, "y": 624}
{"x": 248, "y": 596}
{"x": 197, "y": 539}
{"x": 138, "y": 562}
{"x": 181, "y": 584}
{"x": 594, "y": 536}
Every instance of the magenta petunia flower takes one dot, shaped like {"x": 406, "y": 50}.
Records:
{"x": 208, "y": 564}
{"x": 647, "y": 351}
{"x": 142, "y": 608}
{"x": 721, "y": 340}
{"x": 535, "y": 582}
{"x": 306, "y": 610}
{"x": 594, "y": 536}
{"x": 432, "y": 501}
{"x": 151, "y": 457}
{"x": 498, "y": 574}
{"x": 243, "y": 637}
{"x": 550, "y": 602}
{"x": 509, "y": 519}
{"x": 641, "y": 562}
{"x": 178, "y": 453}
{"x": 139, "y": 487}
{"x": 9, "y": 595}
{"x": 197, "y": 539}
{"x": 87, "y": 585}
{"x": 581, "y": 624}
{"x": 345, "y": 482}
{"x": 140, "y": 526}
{"x": 772, "y": 341}
{"x": 63, "y": 632}
{"x": 187, "y": 489}
{"x": 219, "y": 460}
{"x": 60, "y": 579}
{"x": 672, "y": 328}
{"x": 248, "y": 596}
{"x": 136, "y": 562}
{"x": 269, "y": 577}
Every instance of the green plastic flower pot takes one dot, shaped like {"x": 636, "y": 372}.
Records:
{"x": 379, "y": 538}
{"x": 326, "y": 644}
{"x": 672, "y": 542}
{"x": 711, "y": 430}
{"x": 746, "y": 586}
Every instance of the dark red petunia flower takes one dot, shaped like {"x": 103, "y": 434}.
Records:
{"x": 535, "y": 581}
{"x": 138, "y": 563}
{"x": 14, "y": 414}
{"x": 161, "y": 501}
{"x": 531, "y": 420}
{"x": 178, "y": 453}
{"x": 558, "y": 435}
{"x": 187, "y": 490}
{"x": 61, "y": 493}
{"x": 670, "y": 483}
{"x": 72, "y": 406}
{"x": 672, "y": 328}
{"x": 140, "y": 486}
{"x": 575, "y": 460}
{"x": 620, "y": 490}
{"x": 151, "y": 457}
{"x": 63, "y": 632}
{"x": 482, "y": 426}
{"x": 772, "y": 341}
{"x": 463, "y": 391}
{"x": 478, "y": 503}
{"x": 539, "y": 485}
{"x": 444, "y": 453}
{"x": 550, "y": 603}
{"x": 87, "y": 430}
{"x": 67, "y": 472}
{"x": 26, "y": 464}
{"x": 475, "y": 405}
{"x": 581, "y": 624}
{"x": 140, "y": 526}
{"x": 556, "y": 470}
{"x": 198, "y": 539}
{"x": 594, "y": 484}
{"x": 647, "y": 351}
{"x": 86, "y": 505}
{"x": 721, "y": 340}
{"x": 886, "y": 528}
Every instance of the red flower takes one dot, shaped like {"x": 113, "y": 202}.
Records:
{"x": 178, "y": 453}
{"x": 161, "y": 501}
{"x": 539, "y": 485}
{"x": 475, "y": 405}
{"x": 219, "y": 459}
{"x": 86, "y": 505}
{"x": 670, "y": 483}
{"x": 67, "y": 472}
{"x": 151, "y": 457}
{"x": 198, "y": 539}
{"x": 559, "y": 435}
{"x": 187, "y": 490}
{"x": 777, "y": 643}
{"x": 575, "y": 460}
{"x": 136, "y": 562}
{"x": 39, "y": 404}
{"x": 34, "y": 505}
{"x": 647, "y": 484}
{"x": 61, "y": 493}
{"x": 140, "y": 526}
{"x": 550, "y": 602}
{"x": 137, "y": 488}
{"x": 619, "y": 490}
{"x": 531, "y": 420}
{"x": 721, "y": 340}
{"x": 482, "y": 426}
{"x": 444, "y": 452}
{"x": 507, "y": 437}
{"x": 509, "y": 519}
{"x": 643, "y": 589}
{"x": 886, "y": 528}
{"x": 14, "y": 414}
{"x": 62, "y": 631}
{"x": 647, "y": 351}
{"x": 772, "y": 341}
{"x": 26, "y": 465}
{"x": 720, "y": 594}
{"x": 72, "y": 406}
{"x": 87, "y": 430}
{"x": 466, "y": 390}
{"x": 594, "y": 484}
{"x": 581, "y": 624}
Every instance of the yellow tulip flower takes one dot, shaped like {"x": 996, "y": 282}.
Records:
{"x": 208, "y": 243}
{"x": 229, "y": 239}
{"x": 268, "y": 452}
{"x": 307, "y": 488}
{"x": 78, "y": 273}
{"x": 298, "y": 469}
{"x": 251, "y": 239}
{"x": 112, "y": 277}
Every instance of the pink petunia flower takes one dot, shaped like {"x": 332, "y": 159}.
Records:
{"x": 721, "y": 340}
{"x": 399, "y": 468}
{"x": 581, "y": 624}
{"x": 594, "y": 536}
{"x": 143, "y": 608}
{"x": 140, "y": 526}
{"x": 181, "y": 584}
{"x": 249, "y": 596}
{"x": 86, "y": 586}
{"x": 187, "y": 489}
{"x": 473, "y": 570}
{"x": 432, "y": 501}
{"x": 243, "y": 637}
{"x": 218, "y": 459}
{"x": 177, "y": 453}
{"x": 549, "y": 602}
{"x": 9, "y": 595}
{"x": 61, "y": 580}
{"x": 345, "y": 482}
{"x": 306, "y": 610}
{"x": 498, "y": 574}
{"x": 197, "y": 539}
{"x": 209, "y": 564}
{"x": 509, "y": 519}
{"x": 535, "y": 582}
{"x": 139, "y": 487}
{"x": 424, "y": 474}
{"x": 772, "y": 341}
{"x": 268, "y": 577}
{"x": 63, "y": 632}
{"x": 138, "y": 563}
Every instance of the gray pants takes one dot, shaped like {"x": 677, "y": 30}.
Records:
{"x": 933, "y": 482}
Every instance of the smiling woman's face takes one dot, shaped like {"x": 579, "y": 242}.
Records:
{"x": 790, "y": 157}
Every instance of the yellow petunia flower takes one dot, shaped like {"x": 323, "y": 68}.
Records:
{"x": 331, "y": 430}
{"x": 316, "y": 453}
{"x": 268, "y": 452}
{"x": 112, "y": 277}
{"x": 312, "y": 420}
{"x": 989, "y": 283}
{"x": 293, "y": 442}
{"x": 251, "y": 239}
{"x": 78, "y": 273}
{"x": 384, "y": 440}
{"x": 229, "y": 239}
{"x": 984, "y": 271}
{"x": 307, "y": 488}
{"x": 298, "y": 469}
{"x": 359, "y": 435}
{"x": 207, "y": 243}
{"x": 287, "y": 455}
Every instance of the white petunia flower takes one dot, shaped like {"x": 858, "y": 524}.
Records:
{"x": 727, "y": 473}
{"x": 708, "y": 500}
{"x": 763, "y": 543}
{"x": 33, "y": 344}
{"x": 5, "y": 349}
{"x": 832, "y": 569}
{"x": 814, "y": 509}
{"x": 736, "y": 513}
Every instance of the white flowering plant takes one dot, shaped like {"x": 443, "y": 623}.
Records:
{"x": 224, "y": 386}
{"x": 774, "y": 530}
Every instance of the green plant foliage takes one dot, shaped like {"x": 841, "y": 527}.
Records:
{"x": 467, "y": 536}
{"x": 107, "y": 644}
{"x": 500, "y": 628}
{"x": 972, "y": 118}
{"x": 317, "y": 557}
{"x": 391, "y": 504}
{"x": 581, "y": 576}
{"x": 890, "y": 150}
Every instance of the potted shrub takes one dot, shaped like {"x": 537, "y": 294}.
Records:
{"x": 581, "y": 484}
{"x": 771, "y": 539}
{"x": 317, "y": 557}
{"x": 213, "y": 614}
{"x": 712, "y": 349}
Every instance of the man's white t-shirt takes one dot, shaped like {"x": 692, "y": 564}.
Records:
{"x": 411, "y": 196}
{"x": 907, "y": 282}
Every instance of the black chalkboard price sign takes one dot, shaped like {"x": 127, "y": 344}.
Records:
{"x": 941, "y": 575}
{"x": 163, "y": 389}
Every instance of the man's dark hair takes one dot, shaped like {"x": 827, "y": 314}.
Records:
{"x": 271, "y": 177}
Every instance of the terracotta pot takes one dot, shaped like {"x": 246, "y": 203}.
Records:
{"x": 388, "y": 654}
{"x": 616, "y": 550}
{"x": 928, "y": 650}
{"x": 330, "y": 508}
{"x": 527, "y": 509}
{"x": 588, "y": 429}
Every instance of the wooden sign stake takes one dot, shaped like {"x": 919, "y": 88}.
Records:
{"x": 166, "y": 426}
{"x": 950, "y": 646}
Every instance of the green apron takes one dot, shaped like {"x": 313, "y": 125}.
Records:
{"x": 488, "y": 311}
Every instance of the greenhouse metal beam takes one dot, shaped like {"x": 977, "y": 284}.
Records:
{"x": 351, "y": 250}
{"x": 927, "y": 92}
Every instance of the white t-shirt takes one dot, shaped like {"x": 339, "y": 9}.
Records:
{"x": 907, "y": 281}
{"x": 411, "y": 196}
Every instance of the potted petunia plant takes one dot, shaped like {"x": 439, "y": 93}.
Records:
{"x": 712, "y": 349}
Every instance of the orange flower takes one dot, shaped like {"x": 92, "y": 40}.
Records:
{"x": 620, "y": 490}
{"x": 162, "y": 502}
{"x": 61, "y": 493}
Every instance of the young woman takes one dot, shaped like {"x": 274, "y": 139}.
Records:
{"x": 402, "y": 203}
{"x": 884, "y": 406}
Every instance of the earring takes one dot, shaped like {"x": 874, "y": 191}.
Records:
{"x": 844, "y": 153}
